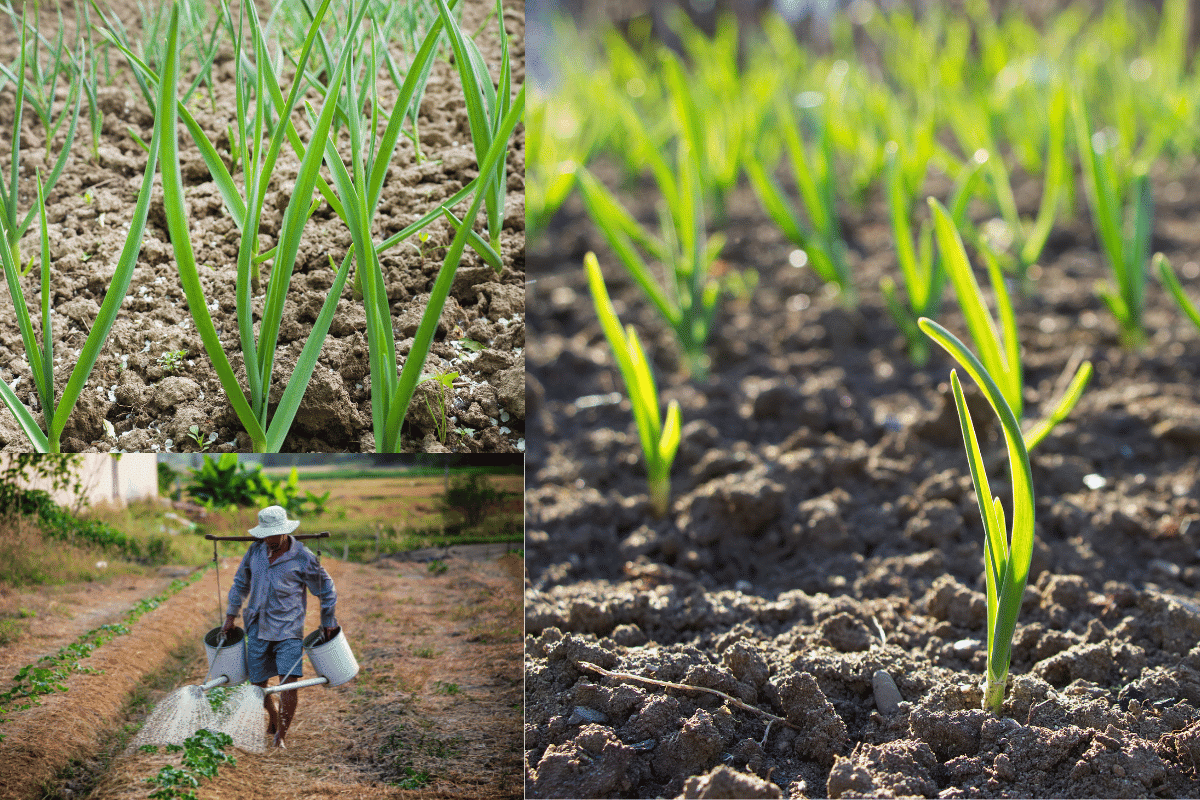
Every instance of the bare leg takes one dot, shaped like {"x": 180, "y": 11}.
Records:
{"x": 288, "y": 700}
{"x": 272, "y": 711}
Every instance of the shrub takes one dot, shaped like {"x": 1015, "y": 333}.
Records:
{"x": 472, "y": 497}
{"x": 227, "y": 482}
{"x": 57, "y": 523}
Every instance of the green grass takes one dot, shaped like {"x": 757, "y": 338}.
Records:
{"x": 12, "y": 630}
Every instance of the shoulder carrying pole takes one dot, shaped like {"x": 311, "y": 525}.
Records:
{"x": 212, "y": 537}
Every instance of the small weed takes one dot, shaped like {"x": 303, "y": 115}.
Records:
{"x": 437, "y": 409}
{"x": 202, "y": 442}
{"x": 445, "y": 688}
{"x": 171, "y": 361}
{"x": 203, "y": 754}
{"x": 437, "y": 567}
{"x": 494, "y": 633}
{"x": 425, "y": 652}
{"x": 413, "y": 779}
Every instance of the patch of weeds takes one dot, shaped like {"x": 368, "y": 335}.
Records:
{"x": 494, "y": 633}
{"x": 461, "y": 612}
{"x": 425, "y": 652}
{"x": 438, "y": 567}
{"x": 409, "y": 751}
{"x": 412, "y": 779}
{"x": 445, "y": 688}
{"x": 136, "y": 707}
{"x": 203, "y": 754}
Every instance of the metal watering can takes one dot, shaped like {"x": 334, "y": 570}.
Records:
{"x": 333, "y": 660}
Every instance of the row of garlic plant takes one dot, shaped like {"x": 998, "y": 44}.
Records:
{"x": 345, "y": 78}
{"x": 722, "y": 115}
{"x": 1099, "y": 97}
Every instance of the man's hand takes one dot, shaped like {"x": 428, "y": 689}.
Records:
{"x": 330, "y": 633}
{"x": 228, "y": 626}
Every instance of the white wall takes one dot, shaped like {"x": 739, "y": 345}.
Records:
{"x": 134, "y": 475}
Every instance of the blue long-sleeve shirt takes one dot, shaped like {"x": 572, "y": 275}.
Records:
{"x": 274, "y": 593}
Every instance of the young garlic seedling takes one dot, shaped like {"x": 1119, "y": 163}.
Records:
{"x": 660, "y": 439}
{"x": 1007, "y": 554}
{"x": 1123, "y": 213}
{"x": 999, "y": 350}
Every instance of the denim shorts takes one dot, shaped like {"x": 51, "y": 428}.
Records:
{"x": 264, "y": 659}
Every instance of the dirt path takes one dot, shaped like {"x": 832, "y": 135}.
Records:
{"x": 436, "y": 705}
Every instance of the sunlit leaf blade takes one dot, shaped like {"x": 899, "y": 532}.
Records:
{"x": 423, "y": 339}
{"x": 185, "y": 259}
{"x": 1015, "y": 569}
{"x": 1170, "y": 280}
{"x": 970, "y": 297}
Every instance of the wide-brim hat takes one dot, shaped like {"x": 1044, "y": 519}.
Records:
{"x": 273, "y": 521}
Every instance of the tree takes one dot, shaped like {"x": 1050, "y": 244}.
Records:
{"x": 471, "y": 497}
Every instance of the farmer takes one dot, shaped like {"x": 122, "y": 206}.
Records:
{"x": 271, "y": 579}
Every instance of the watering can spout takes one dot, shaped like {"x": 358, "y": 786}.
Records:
{"x": 215, "y": 682}
{"x": 287, "y": 687}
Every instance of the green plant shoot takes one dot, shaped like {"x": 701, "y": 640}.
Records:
{"x": 999, "y": 350}
{"x": 41, "y": 359}
{"x": 660, "y": 439}
{"x": 820, "y": 238}
{"x": 1170, "y": 280}
{"x": 1124, "y": 220}
{"x": 359, "y": 188}
{"x": 1007, "y": 554}
{"x": 265, "y": 434}
{"x": 689, "y": 301}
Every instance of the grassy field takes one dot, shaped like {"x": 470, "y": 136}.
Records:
{"x": 402, "y": 509}
{"x": 377, "y": 514}
{"x": 365, "y": 515}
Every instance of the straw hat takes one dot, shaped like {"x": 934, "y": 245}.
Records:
{"x": 273, "y": 521}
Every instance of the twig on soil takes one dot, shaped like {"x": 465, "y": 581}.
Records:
{"x": 687, "y": 688}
